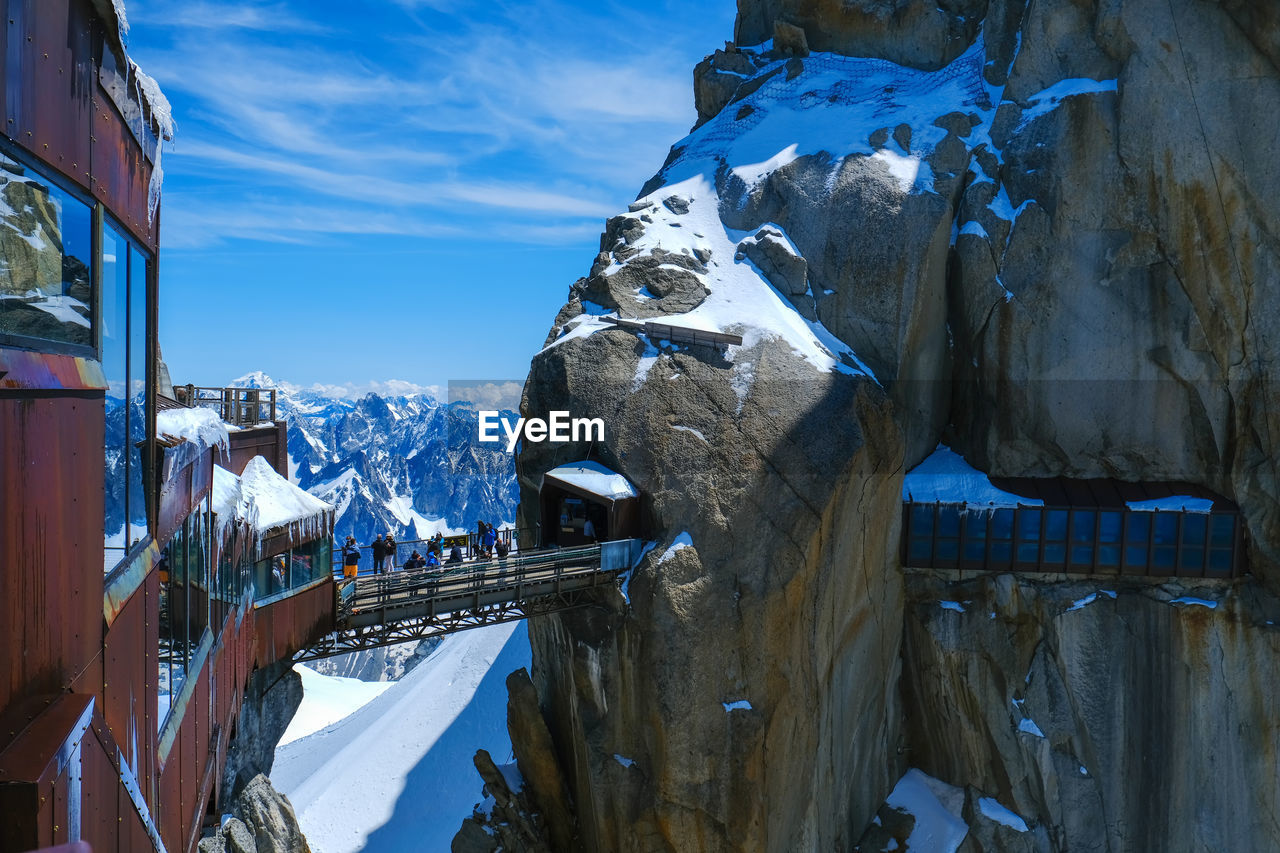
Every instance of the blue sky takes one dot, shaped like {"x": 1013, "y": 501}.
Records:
{"x": 405, "y": 189}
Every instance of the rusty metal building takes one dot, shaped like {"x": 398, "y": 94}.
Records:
{"x": 102, "y": 740}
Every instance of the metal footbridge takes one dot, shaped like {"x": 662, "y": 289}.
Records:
{"x": 383, "y": 610}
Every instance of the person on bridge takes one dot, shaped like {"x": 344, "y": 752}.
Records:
{"x": 379, "y": 554}
{"x": 490, "y": 539}
{"x": 503, "y": 549}
{"x": 455, "y": 555}
{"x": 415, "y": 561}
{"x": 432, "y": 561}
{"x": 350, "y": 558}
{"x": 391, "y": 553}
{"x": 589, "y": 530}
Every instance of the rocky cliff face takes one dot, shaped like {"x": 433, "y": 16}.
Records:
{"x": 1116, "y": 718}
{"x": 1044, "y": 231}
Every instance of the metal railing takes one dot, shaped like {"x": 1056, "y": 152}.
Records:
{"x": 1073, "y": 540}
{"x": 411, "y": 587}
{"x": 238, "y": 406}
{"x": 516, "y": 539}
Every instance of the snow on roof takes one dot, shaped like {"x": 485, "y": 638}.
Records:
{"x": 595, "y": 478}
{"x": 199, "y": 426}
{"x": 945, "y": 477}
{"x": 1173, "y": 503}
{"x": 268, "y": 500}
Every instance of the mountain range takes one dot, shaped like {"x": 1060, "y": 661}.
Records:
{"x": 408, "y": 465}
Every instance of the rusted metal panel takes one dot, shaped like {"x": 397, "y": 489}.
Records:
{"x": 270, "y": 442}
{"x": 63, "y": 73}
{"x": 43, "y": 756}
{"x": 185, "y": 480}
{"x": 122, "y": 585}
{"x": 20, "y": 369}
{"x": 169, "y": 810}
{"x": 55, "y": 109}
{"x": 291, "y": 624}
{"x": 121, "y": 173}
{"x": 100, "y": 816}
{"x": 50, "y": 542}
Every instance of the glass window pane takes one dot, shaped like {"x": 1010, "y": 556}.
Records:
{"x": 1220, "y": 562}
{"x": 948, "y": 550}
{"x": 1081, "y": 555}
{"x": 1166, "y": 528}
{"x": 1002, "y": 524}
{"x": 137, "y": 392}
{"x": 1135, "y": 556}
{"x": 948, "y": 520}
{"x": 1222, "y": 531}
{"x": 1193, "y": 559}
{"x": 1193, "y": 528}
{"x": 1055, "y": 555}
{"x": 114, "y": 355}
{"x": 1028, "y": 551}
{"x": 1162, "y": 559}
{"x": 1109, "y": 556}
{"x": 974, "y": 551}
{"x": 1083, "y": 521}
{"x": 46, "y": 289}
{"x": 921, "y": 519}
{"x": 1029, "y": 524}
{"x": 1109, "y": 526}
{"x": 1055, "y": 527}
{"x": 1139, "y": 527}
{"x": 918, "y": 551}
{"x": 975, "y": 526}
{"x": 1002, "y": 552}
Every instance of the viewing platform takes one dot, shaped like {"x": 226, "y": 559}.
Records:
{"x": 382, "y": 610}
{"x": 955, "y": 517}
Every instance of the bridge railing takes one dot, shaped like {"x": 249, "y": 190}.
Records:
{"x": 518, "y": 539}
{"x": 543, "y": 569}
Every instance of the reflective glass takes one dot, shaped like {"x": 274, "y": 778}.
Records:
{"x": 1055, "y": 527}
{"x": 1002, "y": 524}
{"x": 921, "y": 519}
{"x": 948, "y": 520}
{"x": 918, "y": 551}
{"x": 1222, "y": 529}
{"x": 114, "y": 359}
{"x": 1166, "y": 528}
{"x": 1082, "y": 525}
{"x": 46, "y": 288}
{"x": 1110, "y": 525}
{"x": 137, "y": 392}
{"x": 1193, "y": 528}
{"x": 1029, "y": 524}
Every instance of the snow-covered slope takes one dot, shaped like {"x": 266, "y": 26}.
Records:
{"x": 397, "y": 774}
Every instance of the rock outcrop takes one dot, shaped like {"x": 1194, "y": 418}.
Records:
{"x": 1047, "y": 236}
{"x": 1119, "y": 718}
{"x": 262, "y": 821}
{"x": 271, "y": 699}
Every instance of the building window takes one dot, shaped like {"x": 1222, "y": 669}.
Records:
{"x": 295, "y": 568}
{"x": 46, "y": 281}
{"x": 184, "y": 607}
{"x": 124, "y": 362}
